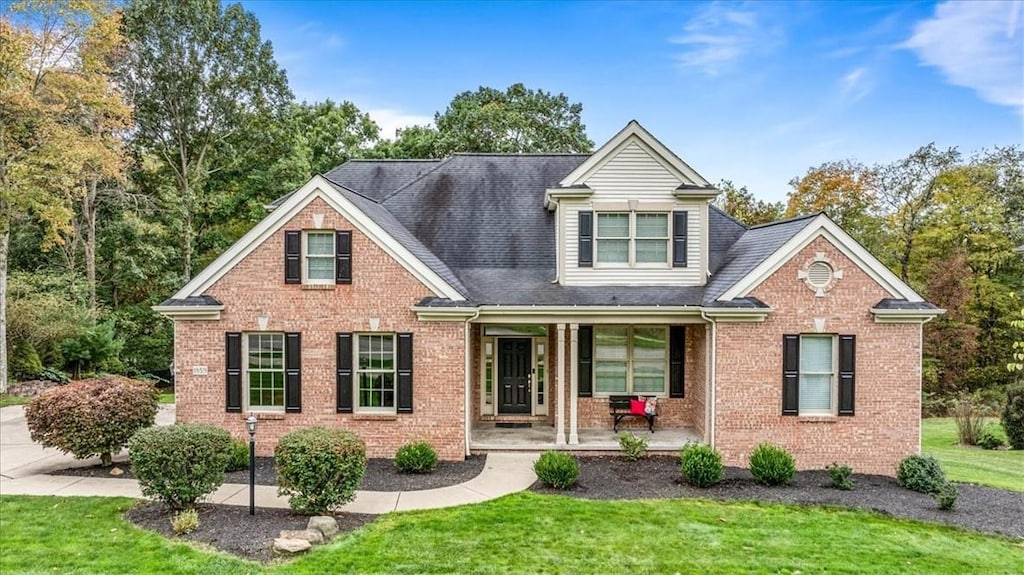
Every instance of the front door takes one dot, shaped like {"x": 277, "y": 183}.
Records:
{"x": 514, "y": 366}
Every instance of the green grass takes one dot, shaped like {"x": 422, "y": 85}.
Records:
{"x": 524, "y": 533}
{"x": 167, "y": 397}
{"x": 8, "y": 399}
{"x": 1003, "y": 469}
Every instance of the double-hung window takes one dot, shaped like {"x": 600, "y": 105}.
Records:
{"x": 318, "y": 263}
{"x": 817, "y": 374}
{"x": 265, "y": 371}
{"x": 632, "y": 238}
{"x": 375, "y": 372}
{"x": 631, "y": 360}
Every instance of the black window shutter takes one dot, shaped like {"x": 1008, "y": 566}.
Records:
{"x": 233, "y": 365}
{"x": 586, "y": 244}
{"x": 293, "y": 257}
{"x": 293, "y": 372}
{"x": 343, "y": 342}
{"x": 585, "y": 361}
{"x": 677, "y": 361}
{"x": 343, "y": 257}
{"x": 679, "y": 222}
{"x": 847, "y": 367}
{"x": 404, "y": 401}
{"x": 790, "y": 374}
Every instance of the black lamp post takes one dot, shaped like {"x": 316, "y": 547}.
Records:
{"x": 250, "y": 424}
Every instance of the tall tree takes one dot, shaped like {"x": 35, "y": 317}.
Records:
{"x": 44, "y": 150}
{"x": 197, "y": 73}
{"x": 843, "y": 190}
{"x": 409, "y": 142}
{"x": 333, "y": 133}
{"x": 742, "y": 205}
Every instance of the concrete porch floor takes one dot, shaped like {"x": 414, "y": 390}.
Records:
{"x": 485, "y": 436}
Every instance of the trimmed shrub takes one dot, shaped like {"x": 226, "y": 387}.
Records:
{"x": 558, "y": 470}
{"x": 991, "y": 439}
{"x": 947, "y": 496}
{"x": 181, "y": 463}
{"x": 701, "y": 465}
{"x": 921, "y": 473}
{"x": 416, "y": 457}
{"x": 238, "y": 456}
{"x": 185, "y": 522}
{"x": 1013, "y": 416}
{"x": 92, "y": 417}
{"x": 970, "y": 423}
{"x": 772, "y": 465}
{"x": 839, "y": 476}
{"x": 319, "y": 468}
{"x": 633, "y": 448}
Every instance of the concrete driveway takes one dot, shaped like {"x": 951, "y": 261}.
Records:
{"x": 21, "y": 457}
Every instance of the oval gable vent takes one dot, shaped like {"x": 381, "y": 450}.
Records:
{"x": 819, "y": 274}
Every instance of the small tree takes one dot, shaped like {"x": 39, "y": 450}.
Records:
{"x": 93, "y": 416}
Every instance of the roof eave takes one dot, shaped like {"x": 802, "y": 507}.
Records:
{"x": 882, "y": 315}
{"x": 189, "y": 312}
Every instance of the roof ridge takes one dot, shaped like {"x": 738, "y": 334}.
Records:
{"x": 395, "y": 160}
{"x": 348, "y": 189}
{"x": 416, "y": 179}
{"x": 521, "y": 154}
{"x": 728, "y": 215}
{"x": 786, "y": 220}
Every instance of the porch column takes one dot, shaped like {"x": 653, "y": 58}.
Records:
{"x": 574, "y": 436}
{"x": 560, "y": 392}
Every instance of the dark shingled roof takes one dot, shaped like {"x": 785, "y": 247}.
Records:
{"x": 374, "y": 178}
{"x": 723, "y": 231}
{"x": 752, "y": 248}
{"x": 486, "y": 210}
{"x": 199, "y": 300}
{"x": 533, "y": 286}
{"x": 892, "y": 303}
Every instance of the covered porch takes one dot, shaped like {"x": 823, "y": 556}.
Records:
{"x": 540, "y": 383}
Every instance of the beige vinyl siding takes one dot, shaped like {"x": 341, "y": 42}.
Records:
{"x": 603, "y": 275}
{"x": 633, "y": 174}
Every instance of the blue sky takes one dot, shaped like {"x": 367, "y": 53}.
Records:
{"x": 755, "y": 92}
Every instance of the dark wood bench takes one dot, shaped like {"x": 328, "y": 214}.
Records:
{"x": 618, "y": 406}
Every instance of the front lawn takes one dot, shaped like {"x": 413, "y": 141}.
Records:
{"x": 1003, "y": 469}
{"x": 8, "y": 399}
{"x": 524, "y": 533}
{"x": 167, "y": 397}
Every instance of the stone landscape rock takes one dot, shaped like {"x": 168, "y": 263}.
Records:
{"x": 117, "y": 471}
{"x": 291, "y": 546}
{"x": 314, "y": 536}
{"x": 324, "y": 524}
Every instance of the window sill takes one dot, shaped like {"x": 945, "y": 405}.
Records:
{"x": 375, "y": 416}
{"x": 267, "y": 415}
{"x": 325, "y": 287}
{"x": 817, "y": 419}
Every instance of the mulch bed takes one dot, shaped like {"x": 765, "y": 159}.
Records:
{"x": 230, "y": 528}
{"x": 381, "y": 474}
{"x": 985, "y": 509}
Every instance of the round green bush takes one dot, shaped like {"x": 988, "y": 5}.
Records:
{"x": 557, "y": 470}
{"x": 181, "y": 463}
{"x": 947, "y": 497}
{"x": 772, "y": 465}
{"x": 1013, "y": 416}
{"x": 633, "y": 448}
{"x": 701, "y": 465}
{"x": 238, "y": 456}
{"x": 416, "y": 457}
{"x": 921, "y": 473}
{"x": 319, "y": 468}
{"x": 93, "y": 416}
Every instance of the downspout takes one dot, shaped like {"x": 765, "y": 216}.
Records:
{"x": 467, "y": 399}
{"x": 714, "y": 374}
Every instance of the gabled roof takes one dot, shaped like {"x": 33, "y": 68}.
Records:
{"x": 635, "y": 132}
{"x": 373, "y": 178}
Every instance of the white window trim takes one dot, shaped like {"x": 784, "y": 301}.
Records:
{"x": 246, "y": 369}
{"x": 306, "y": 280}
{"x": 631, "y": 240}
{"x": 833, "y": 380}
{"x": 356, "y": 371}
{"x": 630, "y": 329}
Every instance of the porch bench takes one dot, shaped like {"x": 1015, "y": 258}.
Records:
{"x": 620, "y": 408}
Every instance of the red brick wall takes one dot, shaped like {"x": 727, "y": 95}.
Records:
{"x": 380, "y": 288}
{"x": 888, "y": 374}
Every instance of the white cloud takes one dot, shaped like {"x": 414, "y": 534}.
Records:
{"x": 855, "y": 85}
{"x": 977, "y": 45}
{"x": 391, "y": 120}
{"x": 718, "y": 37}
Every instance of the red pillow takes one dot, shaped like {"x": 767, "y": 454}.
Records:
{"x": 636, "y": 407}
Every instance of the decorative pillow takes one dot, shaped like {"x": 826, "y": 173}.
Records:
{"x": 637, "y": 406}
{"x": 651, "y": 406}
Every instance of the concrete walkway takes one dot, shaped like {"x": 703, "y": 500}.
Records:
{"x": 24, "y": 464}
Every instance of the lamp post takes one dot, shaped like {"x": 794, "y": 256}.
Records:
{"x": 250, "y": 424}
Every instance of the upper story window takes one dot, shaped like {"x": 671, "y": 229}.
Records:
{"x": 318, "y": 264}
{"x": 317, "y": 257}
{"x": 632, "y": 238}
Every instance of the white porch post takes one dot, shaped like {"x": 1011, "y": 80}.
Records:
{"x": 574, "y": 380}
{"x": 560, "y": 414}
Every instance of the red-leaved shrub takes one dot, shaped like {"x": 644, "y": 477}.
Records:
{"x": 93, "y": 416}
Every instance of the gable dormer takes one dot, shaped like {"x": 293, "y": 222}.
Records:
{"x": 634, "y": 213}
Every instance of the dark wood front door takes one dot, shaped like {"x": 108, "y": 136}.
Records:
{"x": 514, "y": 366}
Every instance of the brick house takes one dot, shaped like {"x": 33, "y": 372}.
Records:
{"x": 492, "y": 301}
